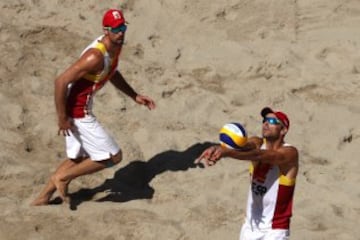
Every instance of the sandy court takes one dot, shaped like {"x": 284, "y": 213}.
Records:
{"x": 205, "y": 64}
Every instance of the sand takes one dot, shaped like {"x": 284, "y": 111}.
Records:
{"x": 205, "y": 63}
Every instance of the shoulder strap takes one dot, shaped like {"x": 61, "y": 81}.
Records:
{"x": 96, "y": 77}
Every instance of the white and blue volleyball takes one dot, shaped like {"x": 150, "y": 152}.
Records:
{"x": 233, "y": 136}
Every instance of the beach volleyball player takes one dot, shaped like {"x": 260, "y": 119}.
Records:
{"x": 88, "y": 145}
{"x": 273, "y": 171}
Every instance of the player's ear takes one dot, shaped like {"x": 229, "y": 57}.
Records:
{"x": 283, "y": 131}
{"x": 106, "y": 30}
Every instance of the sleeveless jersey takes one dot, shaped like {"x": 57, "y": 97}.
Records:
{"x": 81, "y": 92}
{"x": 269, "y": 204}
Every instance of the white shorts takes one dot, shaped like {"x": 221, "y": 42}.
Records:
{"x": 250, "y": 233}
{"x": 89, "y": 139}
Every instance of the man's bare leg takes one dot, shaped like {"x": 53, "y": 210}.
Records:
{"x": 46, "y": 194}
{"x": 68, "y": 170}
{"x": 62, "y": 178}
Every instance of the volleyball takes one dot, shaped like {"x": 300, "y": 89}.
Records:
{"x": 233, "y": 136}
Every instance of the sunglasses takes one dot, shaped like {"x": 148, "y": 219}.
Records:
{"x": 121, "y": 28}
{"x": 272, "y": 121}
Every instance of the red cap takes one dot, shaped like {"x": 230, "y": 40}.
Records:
{"x": 279, "y": 115}
{"x": 113, "y": 18}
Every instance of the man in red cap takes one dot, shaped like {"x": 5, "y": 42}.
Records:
{"x": 273, "y": 170}
{"x": 89, "y": 147}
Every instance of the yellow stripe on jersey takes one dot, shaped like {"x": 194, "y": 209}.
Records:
{"x": 96, "y": 77}
{"x": 101, "y": 47}
{"x": 251, "y": 168}
{"x": 285, "y": 181}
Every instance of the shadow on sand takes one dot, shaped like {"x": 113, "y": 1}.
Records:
{"x": 133, "y": 181}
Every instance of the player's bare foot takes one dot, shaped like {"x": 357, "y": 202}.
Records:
{"x": 40, "y": 201}
{"x": 45, "y": 196}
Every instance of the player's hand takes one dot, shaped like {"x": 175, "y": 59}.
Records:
{"x": 65, "y": 126}
{"x": 144, "y": 100}
{"x": 210, "y": 156}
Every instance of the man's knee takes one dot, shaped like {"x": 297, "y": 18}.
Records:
{"x": 115, "y": 159}
{"x": 59, "y": 176}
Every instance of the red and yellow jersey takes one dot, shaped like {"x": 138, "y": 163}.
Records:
{"x": 270, "y": 198}
{"x": 81, "y": 92}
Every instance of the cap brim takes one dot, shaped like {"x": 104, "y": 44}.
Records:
{"x": 265, "y": 111}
